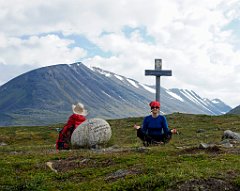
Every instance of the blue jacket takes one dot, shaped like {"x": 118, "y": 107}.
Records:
{"x": 155, "y": 126}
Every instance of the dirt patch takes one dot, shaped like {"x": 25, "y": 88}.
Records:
{"x": 210, "y": 184}
{"x": 234, "y": 151}
{"x": 74, "y": 163}
{"x": 211, "y": 150}
{"x": 194, "y": 150}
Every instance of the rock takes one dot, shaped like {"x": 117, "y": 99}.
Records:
{"x": 225, "y": 141}
{"x": 203, "y": 146}
{"x": 227, "y": 145}
{"x": 91, "y": 133}
{"x": 3, "y": 144}
{"x": 206, "y": 146}
{"x": 50, "y": 165}
{"x": 200, "y": 130}
{"x": 231, "y": 135}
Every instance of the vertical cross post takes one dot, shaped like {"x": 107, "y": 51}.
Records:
{"x": 158, "y": 67}
{"x": 158, "y": 72}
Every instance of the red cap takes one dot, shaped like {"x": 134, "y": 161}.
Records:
{"x": 154, "y": 104}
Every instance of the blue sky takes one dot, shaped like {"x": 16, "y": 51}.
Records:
{"x": 198, "y": 40}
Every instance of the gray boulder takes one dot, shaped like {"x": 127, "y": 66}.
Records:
{"x": 231, "y": 135}
{"x": 91, "y": 133}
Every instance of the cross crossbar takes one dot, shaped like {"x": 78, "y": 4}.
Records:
{"x": 158, "y": 72}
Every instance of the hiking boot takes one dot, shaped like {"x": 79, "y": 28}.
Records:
{"x": 158, "y": 143}
{"x": 145, "y": 144}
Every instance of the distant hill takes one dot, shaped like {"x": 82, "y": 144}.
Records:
{"x": 235, "y": 110}
{"x": 45, "y": 95}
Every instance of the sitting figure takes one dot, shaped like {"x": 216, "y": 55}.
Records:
{"x": 154, "y": 129}
{"x": 78, "y": 116}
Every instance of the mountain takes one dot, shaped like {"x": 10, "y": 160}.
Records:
{"x": 235, "y": 110}
{"x": 45, "y": 95}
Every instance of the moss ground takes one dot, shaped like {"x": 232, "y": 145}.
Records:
{"x": 178, "y": 165}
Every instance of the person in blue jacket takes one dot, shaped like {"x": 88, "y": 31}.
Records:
{"x": 154, "y": 128}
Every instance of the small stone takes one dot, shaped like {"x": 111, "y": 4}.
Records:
{"x": 203, "y": 146}
{"x": 201, "y": 131}
{"x": 50, "y": 165}
{"x": 227, "y": 145}
{"x": 3, "y": 144}
{"x": 224, "y": 141}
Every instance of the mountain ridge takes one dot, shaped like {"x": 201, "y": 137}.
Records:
{"x": 44, "y": 96}
{"x": 235, "y": 110}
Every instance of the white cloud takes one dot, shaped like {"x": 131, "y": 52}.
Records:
{"x": 40, "y": 51}
{"x": 190, "y": 36}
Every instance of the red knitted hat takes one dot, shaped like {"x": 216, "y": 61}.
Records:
{"x": 154, "y": 104}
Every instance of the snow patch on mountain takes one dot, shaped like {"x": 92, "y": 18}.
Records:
{"x": 148, "y": 88}
{"x": 191, "y": 97}
{"x": 103, "y": 72}
{"x": 175, "y": 95}
{"x": 132, "y": 82}
{"x": 215, "y": 101}
{"x": 119, "y": 77}
{"x": 106, "y": 94}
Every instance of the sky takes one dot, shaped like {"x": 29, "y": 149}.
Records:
{"x": 198, "y": 40}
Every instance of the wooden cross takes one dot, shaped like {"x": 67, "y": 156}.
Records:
{"x": 158, "y": 72}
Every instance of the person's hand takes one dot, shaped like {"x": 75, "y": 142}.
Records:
{"x": 174, "y": 131}
{"x": 136, "y": 126}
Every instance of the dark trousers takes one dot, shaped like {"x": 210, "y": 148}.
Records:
{"x": 150, "y": 140}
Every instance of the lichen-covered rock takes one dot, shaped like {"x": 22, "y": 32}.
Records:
{"x": 91, "y": 132}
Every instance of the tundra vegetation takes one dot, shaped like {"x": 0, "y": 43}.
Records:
{"x": 29, "y": 161}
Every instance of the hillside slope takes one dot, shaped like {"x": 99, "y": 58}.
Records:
{"x": 45, "y": 95}
{"x": 235, "y": 110}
